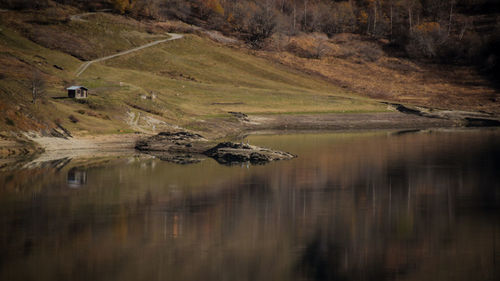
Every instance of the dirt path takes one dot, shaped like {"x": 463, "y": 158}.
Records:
{"x": 84, "y": 66}
{"x": 79, "y": 17}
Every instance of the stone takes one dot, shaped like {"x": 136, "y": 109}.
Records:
{"x": 230, "y": 153}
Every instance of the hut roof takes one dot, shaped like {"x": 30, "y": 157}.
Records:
{"x": 76, "y": 88}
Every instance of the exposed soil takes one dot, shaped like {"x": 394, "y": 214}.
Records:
{"x": 101, "y": 142}
{"x": 221, "y": 128}
{"x": 390, "y": 120}
{"x": 17, "y": 147}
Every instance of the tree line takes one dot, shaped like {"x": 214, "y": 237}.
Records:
{"x": 440, "y": 30}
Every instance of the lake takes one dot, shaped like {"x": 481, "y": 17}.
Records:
{"x": 381, "y": 205}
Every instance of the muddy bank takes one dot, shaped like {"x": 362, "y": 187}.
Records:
{"x": 461, "y": 118}
{"x": 98, "y": 142}
{"x": 357, "y": 121}
{"x": 220, "y": 128}
{"x": 50, "y": 148}
{"x": 18, "y": 147}
{"x": 401, "y": 118}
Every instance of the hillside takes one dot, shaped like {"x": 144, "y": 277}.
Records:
{"x": 175, "y": 83}
{"x": 195, "y": 81}
{"x": 362, "y": 65}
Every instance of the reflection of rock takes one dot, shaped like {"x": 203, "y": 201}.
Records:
{"x": 182, "y": 159}
{"x": 234, "y": 153}
{"x": 76, "y": 178}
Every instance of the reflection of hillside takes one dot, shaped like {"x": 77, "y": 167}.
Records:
{"x": 351, "y": 207}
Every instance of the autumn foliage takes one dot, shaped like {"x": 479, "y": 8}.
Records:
{"x": 448, "y": 30}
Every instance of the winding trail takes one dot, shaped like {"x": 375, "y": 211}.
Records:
{"x": 85, "y": 65}
{"x": 79, "y": 17}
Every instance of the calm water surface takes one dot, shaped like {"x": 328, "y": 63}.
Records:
{"x": 353, "y": 206}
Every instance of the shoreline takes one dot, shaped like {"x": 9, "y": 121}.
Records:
{"x": 93, "y": 145}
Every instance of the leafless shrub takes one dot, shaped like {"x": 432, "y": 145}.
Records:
{"x": 426, "y": 39}
{"x": 261, "y": 26}
{"x": 37, "y": 86}
{"x": 73, "y": 119}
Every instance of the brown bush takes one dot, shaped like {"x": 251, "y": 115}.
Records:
{"x": 73, "y": 119}
{"x": 294, "y": 48}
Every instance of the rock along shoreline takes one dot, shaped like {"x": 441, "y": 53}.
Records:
{"x": 188, "y": 148}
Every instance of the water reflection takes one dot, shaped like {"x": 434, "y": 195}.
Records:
{"x": 76, "y": 178}
{"x": 358, "y": 206}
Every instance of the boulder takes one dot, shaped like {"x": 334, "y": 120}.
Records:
{"x": 230, "y": 153}
{"x": 174, "y": 142}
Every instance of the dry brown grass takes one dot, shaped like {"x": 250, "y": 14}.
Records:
{"x": 361, "y": 65}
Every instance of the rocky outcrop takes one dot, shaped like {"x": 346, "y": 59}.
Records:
{"x": 188, "y": 148}
{"x": 229, "y": 153}
{"x": 174, "y": 142}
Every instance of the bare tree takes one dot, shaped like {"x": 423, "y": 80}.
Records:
{"x": 452, "y": 3}
{"x": 391, "y": 16}
{"x": 305, "y": 13}
{"x": 37, "y": 86}
{"x": 261, "y": 25}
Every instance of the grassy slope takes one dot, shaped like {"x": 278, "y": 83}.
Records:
{"x": 362, "y": 65}
{"x": 193, "y": 79}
